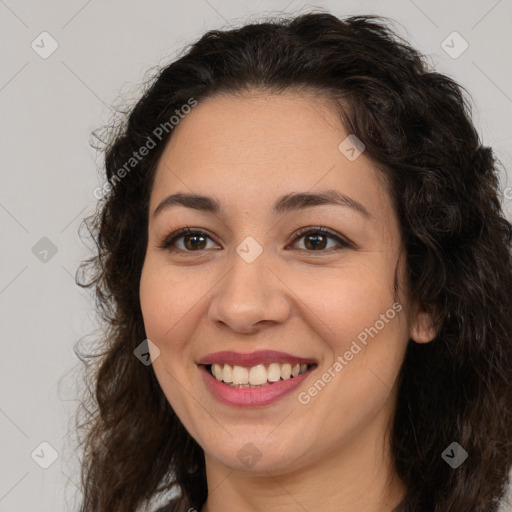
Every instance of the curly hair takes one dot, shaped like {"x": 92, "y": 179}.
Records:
{"x": 417, "y": 128}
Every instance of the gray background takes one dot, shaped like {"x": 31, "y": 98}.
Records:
{"x": 49, "y": 107}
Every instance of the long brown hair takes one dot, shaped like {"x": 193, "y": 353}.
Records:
{"x": 416, "y": 126}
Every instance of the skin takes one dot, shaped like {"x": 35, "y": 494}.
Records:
{"x": 331, "y": 454}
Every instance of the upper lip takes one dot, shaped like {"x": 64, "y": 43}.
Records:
{"x": 253, "y": 358}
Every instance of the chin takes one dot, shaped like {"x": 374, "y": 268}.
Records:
{"x": 257, "y": 454}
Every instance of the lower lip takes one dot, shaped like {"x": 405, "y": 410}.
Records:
{"x": 251, "y": 397}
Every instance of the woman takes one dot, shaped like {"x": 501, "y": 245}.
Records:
{"x": 302, "y": 232}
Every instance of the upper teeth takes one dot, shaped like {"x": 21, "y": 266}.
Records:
{"x": 256, "y": 375}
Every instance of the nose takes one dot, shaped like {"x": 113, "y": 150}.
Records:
{"x": 249, "y": 297}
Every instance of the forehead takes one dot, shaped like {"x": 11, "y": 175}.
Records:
{"x": 249, "y": 147}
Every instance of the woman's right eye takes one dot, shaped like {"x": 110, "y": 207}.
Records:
{"x": 192, "y": 240}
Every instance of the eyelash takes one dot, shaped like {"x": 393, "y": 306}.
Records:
{"x": 301, "y": 233}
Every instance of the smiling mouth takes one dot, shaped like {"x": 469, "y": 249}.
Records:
{"x": 257, "y": 376}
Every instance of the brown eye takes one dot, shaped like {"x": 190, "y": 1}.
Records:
{"x": 194, "y": 241}
{"x": 191, "y": 241}
{"x": 317, "y": 239}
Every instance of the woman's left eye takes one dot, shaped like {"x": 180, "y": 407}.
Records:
{"x": 315, "y": 239}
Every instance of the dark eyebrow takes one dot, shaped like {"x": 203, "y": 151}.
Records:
{"x": 286, "y": 203}
{"x": 296, "y": 201}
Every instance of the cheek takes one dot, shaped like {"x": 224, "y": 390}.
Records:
{"x": 166, "y": 310}
{"x": 167, "y": 303}
{"x": 363, "y": 327}
{"x": 366, "y": 334}
{"x": 346, "y": 302}
{"x": 165, "y": 319}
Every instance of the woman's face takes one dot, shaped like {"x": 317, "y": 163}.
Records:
{"x": 247, "y": 284}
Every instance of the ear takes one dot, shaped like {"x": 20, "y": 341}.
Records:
{"x": 422, "y": 328}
